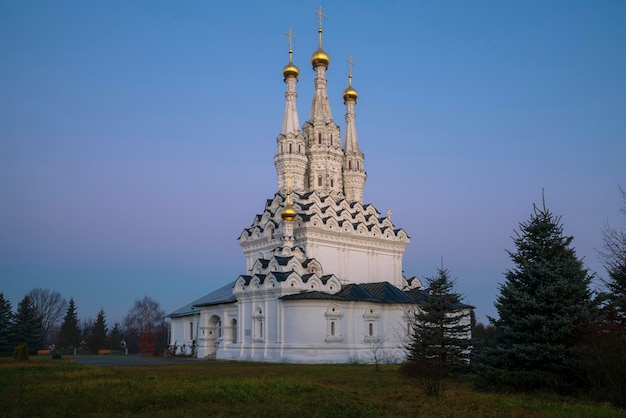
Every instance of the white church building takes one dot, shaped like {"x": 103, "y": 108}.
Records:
{"x": 323, "y": 280}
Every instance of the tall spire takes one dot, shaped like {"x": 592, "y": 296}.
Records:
{"x": 320, "y": 109}
{"x": 322, "y": 133}
{"x": 290, "y": 72}
{"x": 350, "y": 95}
{"x": 353, "y": 173}
{"x": 291, "y": 146}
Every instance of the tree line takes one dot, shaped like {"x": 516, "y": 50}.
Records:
{"x": 44, "y": 319}
{"x": 553, "y": 332}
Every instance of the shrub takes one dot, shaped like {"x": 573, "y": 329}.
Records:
{"x": 604, "y": 363}
{"x": 428, "y": 374}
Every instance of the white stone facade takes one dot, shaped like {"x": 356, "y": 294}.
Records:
{"x": 324, "y": 280}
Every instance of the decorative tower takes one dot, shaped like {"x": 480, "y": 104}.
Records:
{"x": 353, "y": 171}
{"x": 322, "y": 133}
{"x": 291, "y": 145}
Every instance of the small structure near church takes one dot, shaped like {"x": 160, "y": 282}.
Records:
{"x": 324, "y": 280}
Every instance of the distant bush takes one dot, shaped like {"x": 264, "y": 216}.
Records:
{"x": 20, "y": 352}
{"x": 604, "y": 363}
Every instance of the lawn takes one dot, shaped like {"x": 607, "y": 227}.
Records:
{"x": 209, "y": 388}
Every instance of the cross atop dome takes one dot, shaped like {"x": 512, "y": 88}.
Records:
{"x": 320, "y": 16}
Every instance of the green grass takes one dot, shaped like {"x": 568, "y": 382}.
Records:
{"x": 60, "y": 388}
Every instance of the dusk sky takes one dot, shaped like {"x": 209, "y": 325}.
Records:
{"x": 137, "y": 137}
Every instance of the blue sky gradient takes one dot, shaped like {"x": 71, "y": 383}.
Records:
{"x": 137, "y": 138}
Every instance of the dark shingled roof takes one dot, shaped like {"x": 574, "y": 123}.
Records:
{"x": 221, "y": 295}
{"x": 312, "y": 295}
{"x": 382, "y": 292}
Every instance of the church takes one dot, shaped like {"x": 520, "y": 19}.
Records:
{"x": 324, "y": 280}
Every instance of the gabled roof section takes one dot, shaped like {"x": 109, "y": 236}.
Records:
{"x": 382, "y": 292}
{"x": 217, "y": 297}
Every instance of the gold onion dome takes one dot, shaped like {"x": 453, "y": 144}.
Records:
{"x": 288, "y": 214}
{"x": 291, "y": 70}
{"x": 320, "y": 57}
{"x": 350, "y": 94}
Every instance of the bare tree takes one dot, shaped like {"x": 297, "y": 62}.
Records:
{"x": 613, "y": 257}
{"x": 145, "y": 317}
{"x": 50, "y": 306}
{"x": 377, "y": 352}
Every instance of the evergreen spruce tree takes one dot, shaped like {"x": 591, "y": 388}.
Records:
{"x": 544, "y": 309}
{"x": 69, "y": 335}
{"x": 98, "y": 338}
{"x": 115, "y": 337}
{"x": 441, "y": 340}
{"x": 27, "y": 327}
{"x": 7, "y": 338}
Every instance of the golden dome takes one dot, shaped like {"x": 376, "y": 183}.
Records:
{"x": 288, "y": 214}
{"x": 320, "y": 57}
{"x": 291, "y": 70}
{"x": 350, "y": 94}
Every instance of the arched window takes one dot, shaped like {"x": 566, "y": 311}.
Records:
{"x": 334, "y": 316}
{"x": 371, "y": 329}
{"x": 290, "y": 148}
{"x": 319, "y": 181}
{"x": 332, "y": 183}
{"x": 319, "y": 138}
{"x": 331, "y": 139}
{"x": 350, "y": 165}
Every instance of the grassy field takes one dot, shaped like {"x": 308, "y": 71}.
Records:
{"x": 63, "y": 388}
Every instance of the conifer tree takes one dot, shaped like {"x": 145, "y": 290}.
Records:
{"x": 115, "y": 337}
{"x": 28, "y": 327}
{"x": 7, "y": 338}
{"x": 69, "y": 335}
{"x": 441, "y": 339}
{"x": 98, "y": 336}
{"x": 544, "y": 308}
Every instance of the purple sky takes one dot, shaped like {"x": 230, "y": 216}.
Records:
{"x": 137, "y": 138}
